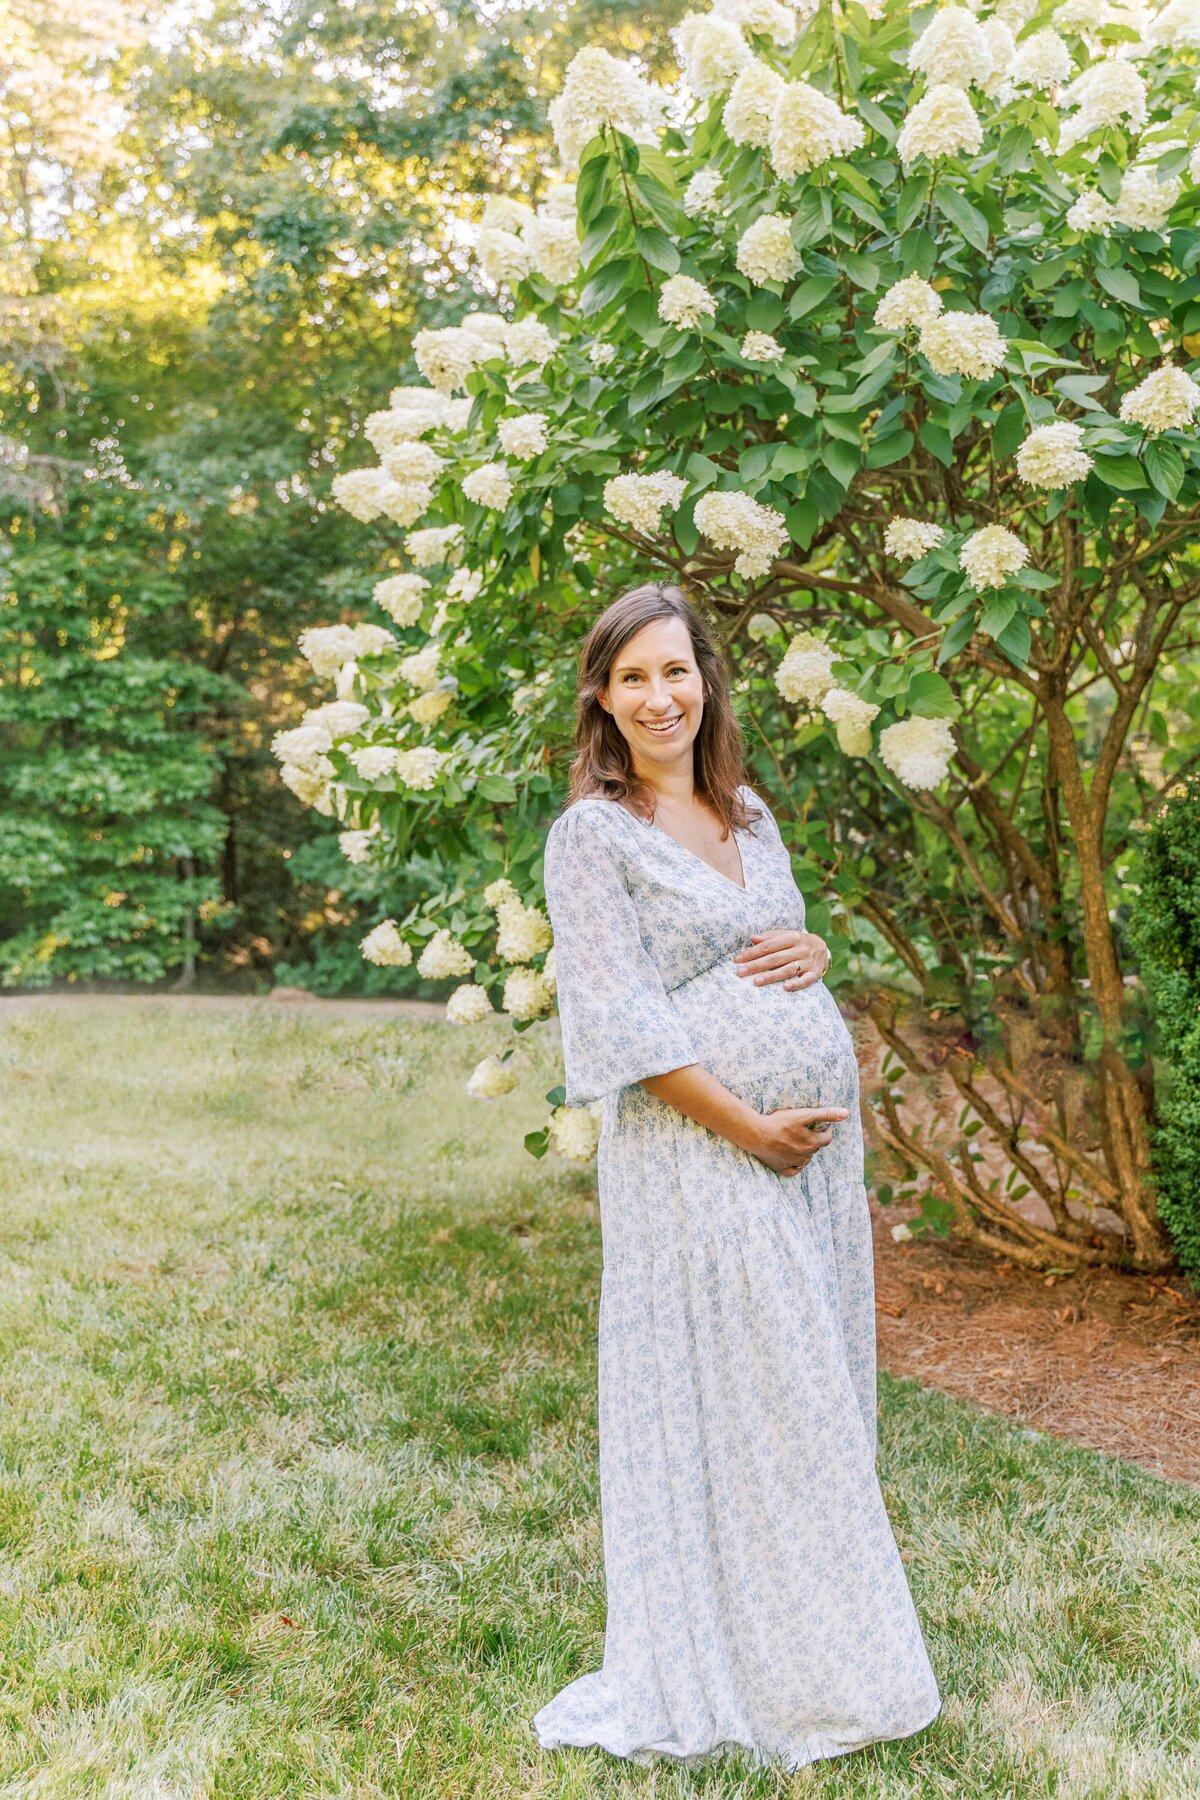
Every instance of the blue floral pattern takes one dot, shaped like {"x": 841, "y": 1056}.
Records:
{"x": 756, "y": 1597}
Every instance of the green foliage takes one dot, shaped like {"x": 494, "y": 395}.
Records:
{"x": 1165, "y": 927}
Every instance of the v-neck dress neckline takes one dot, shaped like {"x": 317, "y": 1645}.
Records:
{"x": 742, "y": 886}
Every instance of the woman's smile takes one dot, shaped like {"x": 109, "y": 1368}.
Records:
{"x": 661, "y": 727}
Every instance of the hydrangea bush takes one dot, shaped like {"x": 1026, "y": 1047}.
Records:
{"x": 877, "y": 332}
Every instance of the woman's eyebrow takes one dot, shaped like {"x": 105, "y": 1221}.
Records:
{"x": 668, "y": 662}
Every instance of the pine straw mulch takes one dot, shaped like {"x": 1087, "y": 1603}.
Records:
{"x": 1109, "y": 1360}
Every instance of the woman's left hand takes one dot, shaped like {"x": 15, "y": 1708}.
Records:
{"x": 797, "y": 958}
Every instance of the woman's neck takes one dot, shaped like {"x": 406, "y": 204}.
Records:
{"x": 673, "y": 787}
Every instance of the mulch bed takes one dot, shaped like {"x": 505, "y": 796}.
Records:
{"x": 1109, "y": 1360}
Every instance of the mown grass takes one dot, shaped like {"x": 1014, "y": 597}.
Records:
{"x": 298, "y": 1471}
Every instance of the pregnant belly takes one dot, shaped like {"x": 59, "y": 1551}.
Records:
{"x": 770, "y": 1046}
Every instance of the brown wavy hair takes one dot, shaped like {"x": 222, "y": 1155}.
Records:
{"x": 603, "y": 762}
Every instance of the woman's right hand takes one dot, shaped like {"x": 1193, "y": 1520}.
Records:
{"x": 790, "y": 1137}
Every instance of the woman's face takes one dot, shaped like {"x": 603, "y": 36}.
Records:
{"x": 655, "y": 694}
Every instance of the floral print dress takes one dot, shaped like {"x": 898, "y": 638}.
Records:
{"x": 755, "y": 1593}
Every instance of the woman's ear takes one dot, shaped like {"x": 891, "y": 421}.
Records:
{"x": 602, "y": 697}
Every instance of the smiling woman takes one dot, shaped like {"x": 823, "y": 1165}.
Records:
{"x": 756, "y": 1597}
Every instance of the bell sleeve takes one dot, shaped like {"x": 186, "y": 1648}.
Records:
{"x": 618, "y": 1024}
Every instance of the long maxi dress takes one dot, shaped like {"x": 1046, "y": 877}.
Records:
{"x": 755, "y": 1593}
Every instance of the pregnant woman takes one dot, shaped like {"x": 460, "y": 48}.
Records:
{"x": 755, "y": 1593}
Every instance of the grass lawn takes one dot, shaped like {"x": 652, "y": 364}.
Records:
{"x": 298, "y": 1484}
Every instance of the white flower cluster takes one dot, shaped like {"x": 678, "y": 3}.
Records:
{"x": 907, "y": 303}
{"x": 805, "y": 674}
{"x": 1167, "y": 400}
{"x": 523, "y": 932}
{"x": 1041, "y": 61}
{"x": 598, "y": 90}
{"x": 851, "y": 716}
{"x": 489, "y": 485}
{"x": 712, "y": 52}
{"x": 574, "y": 1131}
{"x": 1144, "y": 202}
{"x": 991, "y": 555}
{"x": 401, "y": 597}
{"x": 701, "y": 194}
{"x": 326, "y": 647}
{"x": 517, "y": 241}
{"x": 918, "y": 751}
{"x": 639, "y": 500}
{"x": 1052, "y": 455}
{"x": 761, "y": 18}
{"x": 368, "y": 493}
{"x": 526, "y": 994}
{"x": 952, "y": 49}
{"x": 733, "y": 521}
{"x": 444, "y": 956}
{"x": 446, "y": 355}
{"x": 469, "y": 1004}
{"x": 911, "y": 538}
{"x": 962, "y": 343}
{"x": 385, "y": 947}
{"x": 523, "y": 436}
{"x": 418, "y": 768}
{"x": 1176, "y": 27}
{"x": 761, "y": 347}
{"x": 356, "y": 846}
{"x": 420, "y": 670}
{"x": 766, "y": 252}
{"x": 1106, "y": 93}
{"x": 808, "y": 129}
{"x": 751, "y": 105}
{"x": 685, "y": 302}
{"x": 942, "y": 123}
{"x": 433, "y": 545}
{"x": 491, "y": 1078}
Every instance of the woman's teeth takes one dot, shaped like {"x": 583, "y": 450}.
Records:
{"x": 663, "y": 727}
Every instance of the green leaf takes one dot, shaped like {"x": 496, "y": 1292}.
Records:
{"x": 556, "y": 1096}
{"x": 956, "y": 639}
{"x": 592, "y": 187}
{"x": 703, "y": 471}
{"x": 937, "y": 441}
{"x": 657, "y": 249}
{"x": 599, "y": 233}
{"x": 932, "y": 696}
{"x": 997, "y": 613}
{"x": 764, "y": 312}
{"x": 537, "y": 1142}
{"x": 810, "y": 293}
{"x": 1122, "y": 472}
{"x": 1165, "y": 467}
{"x": 1015, "y": 640}
{"x": 885, "y": 451}
{"x": 911, "y": 201}
{"x": 1120, "y": 283}
{"x": 1008, "y": 431}
{"x": 496, "y": 787}
{"x": 969, "y": 220}
{"x": 842, "y": 461}
{"x": 607, "y": 283}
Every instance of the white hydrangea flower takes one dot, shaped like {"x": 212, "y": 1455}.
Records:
{"x": 528, "y": 343}
{"x": 638, "y": 500}
{"x": 733, "y": 521}
{"x": 851, "y": 716}
{"x": 1176, "y": 27}
{"x": 502, "y": 256}
{"x": 952, "y": 49}
{"x": 401, "y": 597}
{"x": 444, "y": 956}
{"x": 1165, "y": 401}
{"x": 962, "y": 343}
{"x": 712, "y": 52}
{"x": 554, "y": 248}
{"x": 526, "y": 995}
{"x": 1041, "y": 61}
{"x": 751, "y": 105}
{"x": 574, "y": 1132}
{"x": 522, "y": 933}
{"x": 338, "y": 717}
{"x": 1106, "y": 93}
{"x": 345, "y": 680}
{"x": 601, "y": 355}
{"x": 1052, "y": 455}
{"x": 499, "y": 891}
{"x": 428, "y": 707}
{"x": 433, "y": 545}
{"x": 489, "y": 485}
{"x": 685, "y": 302}
{"x": 504, "y": 213}
{"x": 599, "y": 89}
{"x": 468, "y": 1004}
{"x": 372, "y": 761}
{"x": 1015, "y": 13}
{"x": 1090, "y": 212}
{"x": 943, "y": 123}
{"x": 906, "y": 303}
{"x": 808, "y": 129}
{"x": 385, "y": 947}
{"x": 762, "y": 18}
{"x": 762, "y": 627}
{"x": 1144, "y": 201}
{"x": 489, "y": 328}
{"x": 701, "y": 193}
{"x": 911, "y": 538}
{"x": 760, "y": 346}
{"x": 326, "y": 647}
{"x": 418, "y": 768}
{"x": 464, "y": 586}
{"x": 366, "y": 493}
{"x": 355, "y": 846}
{"x": 989, "y": 556}
{"x": 1081, "y": 16}
{"x": 412, "y": 463}
{"x": 406, "y": 501}
{"x": 1002, "y": 47}
{"x": 420, "y": 669}
{"x": 559, "y": 201}
{"x": 309, "y": 788}
{"x": 372, "y": 640}
{"x": 805, "y": 674}
{"x": 491, "y": 1078}
{"x": 765, "y": 252}
{"x": 410, "y": 413}
{"x": 447, "y": 355}
{"x": 304, "y": 747}
{"x": 523, "y": 436}
{"x": 918, "y": 751}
